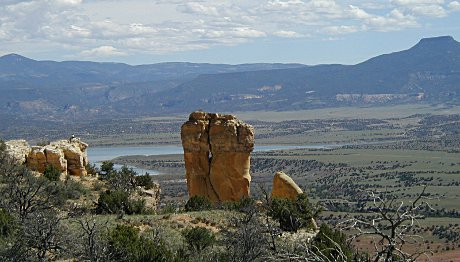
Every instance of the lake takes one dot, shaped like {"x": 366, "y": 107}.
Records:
{"x": 98, "y": 154}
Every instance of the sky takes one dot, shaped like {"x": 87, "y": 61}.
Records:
{"x": 221, "y": 31}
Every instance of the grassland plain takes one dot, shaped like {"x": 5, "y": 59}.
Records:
{"x": 284, "y": 127}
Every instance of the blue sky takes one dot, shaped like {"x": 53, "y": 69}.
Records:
{"x": 224, "y": 31}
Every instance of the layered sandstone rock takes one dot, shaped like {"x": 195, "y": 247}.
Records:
{"x": 217, "y": 156}
{"x": 285, "y": 187}
{"x": 18, "y": 150}
{"x": 40, "y": 157}
{"x": 68, "y": 156}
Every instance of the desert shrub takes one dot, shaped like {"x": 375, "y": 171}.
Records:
{"x": 123, "y": 180}
{"x": 198, "y": 203}
{"x": 98, "y": 185}
{"x": 107, "y": 169}
{"x": 332, "y": 244}
{"x": 144, "y": 181}
{"x": 58, "y": 192}
{"x": 171, "y": 207}
{"x": 7, "y": 224}
{"x": 52, "y": 173}
{"x": 43, "y": 235}
{"x": 135, "y": 207}
{"x": 38, "y": 237}
{"x": 246, "y": 238}
{"x": 91, "y": 169}
{"x": 125, "y": 244}
{"x": 114, "y": 202}
{"x": 74, "y": 189}
{"x": 241, "y": 205}
{"x": 293, "y": 214}
{"x": 2, "y": 146}
{"x": 198, "y": 238}
{"x": 24, "y": 193}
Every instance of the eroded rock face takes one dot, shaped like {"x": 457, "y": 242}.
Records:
{"x": 217, "y": 156}
{"x": 285, "y": 187}
{"x": 55, "y": 157}
{"x": 36, "y": 160}
{"x": 75, "y": 154}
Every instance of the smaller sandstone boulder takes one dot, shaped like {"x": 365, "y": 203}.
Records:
{"x": 285, "y": 187}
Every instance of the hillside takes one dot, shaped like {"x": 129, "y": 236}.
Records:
{"x": 427, "y": 72}
{"x": 77, "y": 89}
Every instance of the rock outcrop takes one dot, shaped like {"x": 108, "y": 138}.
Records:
{"x": 75, "y": 154}
{"x": 285, "y": 187}
{"x": 150, "y": 196}
{"x": 217, "y": 152}
{"x": 69, "y": 156}
{"x": 18, "y": 150}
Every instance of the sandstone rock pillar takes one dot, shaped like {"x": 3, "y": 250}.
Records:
{"x": 217, "y": 156}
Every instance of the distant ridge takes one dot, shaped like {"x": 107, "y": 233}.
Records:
{"x": 425, "y": 42}
{"x": 428, "y": 72}
{"x": 14, "y": 57}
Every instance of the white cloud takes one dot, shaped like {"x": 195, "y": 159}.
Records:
{"x": 105, "y": 51}
{"x": 417, "y": 2}
{"x": 393, "y": 21}
{"x": 78, "y": 32}
{"x": 374, "y": 5}
{"x": 454, "y": 6}
{"x": 68, "y": 2}
{"x": 164, "y": 26}
{"x": 244, "y": 32}
{"x": 10, "y": 2}
{"x": 358, "y": 12}
{"x": 3, "y": 35}
{"x": 197, "y": 8}
{"x": 342, "y": 29}
{"x": 287, "y": 34}
{"x": 430, "y": 10}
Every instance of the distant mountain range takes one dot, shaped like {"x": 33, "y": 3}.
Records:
{"x": 428, "y": 72}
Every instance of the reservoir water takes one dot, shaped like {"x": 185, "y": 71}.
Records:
{"x": 98, "y": 154}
